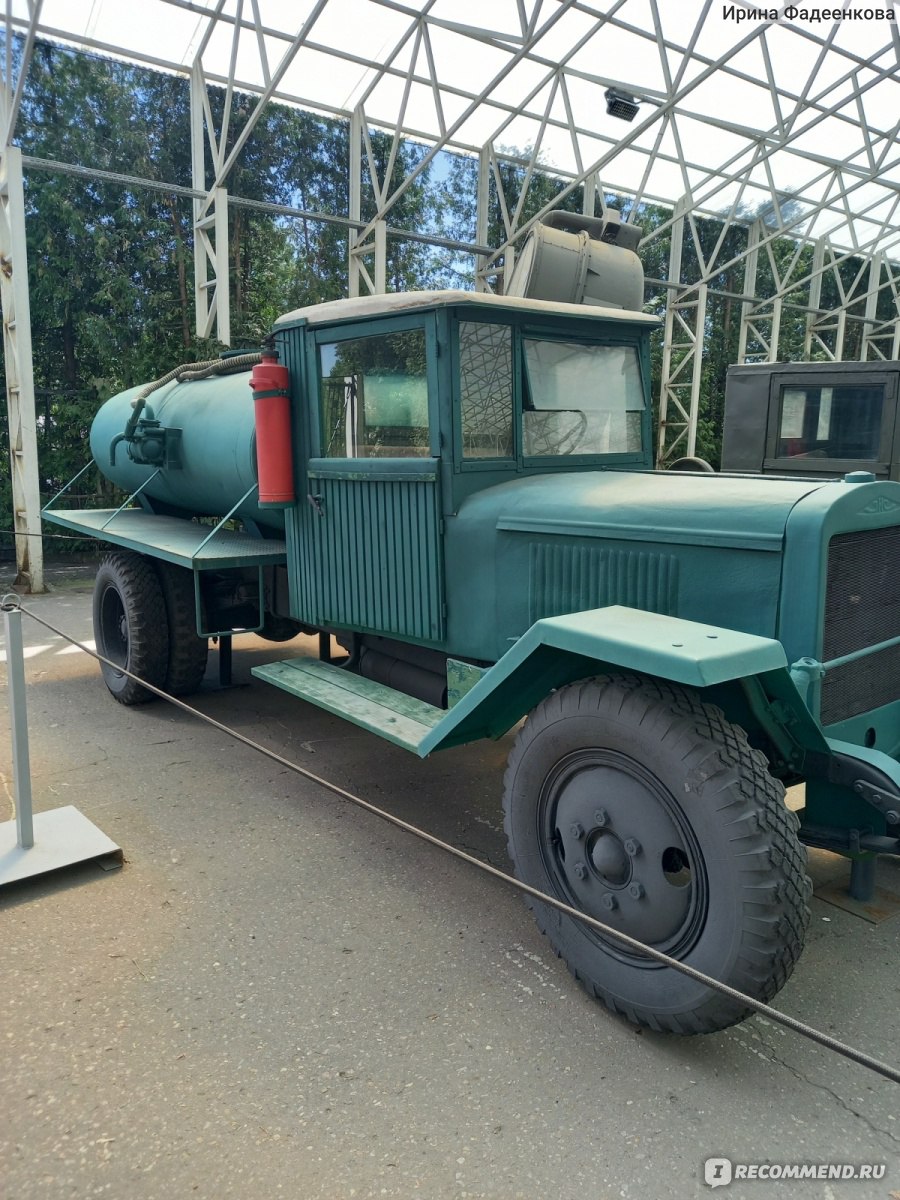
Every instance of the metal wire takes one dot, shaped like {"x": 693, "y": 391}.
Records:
{"x": 63, "y": 537}
{"x": 11, "y": 601}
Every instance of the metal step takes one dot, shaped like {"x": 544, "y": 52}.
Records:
{"x": 393, "y": 715}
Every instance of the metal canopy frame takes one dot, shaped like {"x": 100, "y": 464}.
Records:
{"x": 786, "y": 129}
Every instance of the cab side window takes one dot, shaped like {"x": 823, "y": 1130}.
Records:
{"x": 486, "y": 390}
{"x": 374, "y": 397}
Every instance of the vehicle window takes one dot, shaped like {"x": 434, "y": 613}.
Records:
{"x": 581, "y": 399}
{"x": 830, "y": 422}
{"x": 374, "y": 397}
{"x": 486, "y": 389}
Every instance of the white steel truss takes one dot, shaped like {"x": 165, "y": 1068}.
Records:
{"x": 23, "y": 456}
{"x": 785, "y": 128}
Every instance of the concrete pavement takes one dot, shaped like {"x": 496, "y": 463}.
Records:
{"x": 280, "y": 994}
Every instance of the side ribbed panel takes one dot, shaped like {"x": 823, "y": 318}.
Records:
{"x": 375, "y": 561}
{"x": 566, "y": 578}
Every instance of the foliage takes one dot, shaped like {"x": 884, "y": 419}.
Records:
{"x": 111, "y": 266}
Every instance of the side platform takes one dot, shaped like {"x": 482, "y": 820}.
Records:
{"x": 173, "y": 539}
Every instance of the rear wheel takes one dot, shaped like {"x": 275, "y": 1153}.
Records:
{"x": 635, "y": 802}
{"x": 187, "y": 651}
{"x": 130, "y": 627}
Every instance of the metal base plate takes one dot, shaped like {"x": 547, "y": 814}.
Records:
{"x": 884, "y": 904}
{"x": 62, "y": 837}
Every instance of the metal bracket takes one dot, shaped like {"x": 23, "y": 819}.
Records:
{"x": 218, "y": 525}
{"x": 870, "y": 784}
{"x": 850, "y": 842}
{"x": 223, "y": 633}
{"x": 129, "y": 499}
{"x": 886, "y": 802}
{"x": 62, "y": 491}
{"x": 805, "y": 672}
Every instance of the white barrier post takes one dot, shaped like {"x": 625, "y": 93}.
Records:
{"x": 64, "y": 835}
{"x": 18, "y": 719}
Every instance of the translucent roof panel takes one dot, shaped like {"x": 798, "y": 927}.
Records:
{"x": 732, "y": 111}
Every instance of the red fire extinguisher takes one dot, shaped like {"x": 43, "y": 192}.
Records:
{"x": 272, "y": 416}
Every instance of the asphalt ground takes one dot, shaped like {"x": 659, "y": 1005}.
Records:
{"x": 280, "y": 994}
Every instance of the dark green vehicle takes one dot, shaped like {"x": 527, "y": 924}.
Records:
{"x": 813, "y": 419}
{"x": 476, "y": 520}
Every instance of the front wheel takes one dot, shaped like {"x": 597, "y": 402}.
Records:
{"x": 633, "y": 801}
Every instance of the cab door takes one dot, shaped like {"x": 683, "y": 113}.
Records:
{"x": 370, "y": 542}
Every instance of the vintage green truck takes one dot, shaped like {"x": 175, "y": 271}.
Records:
{"x": 465, "y": 501}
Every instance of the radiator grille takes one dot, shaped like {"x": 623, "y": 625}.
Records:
{"x": 862, "y": 608}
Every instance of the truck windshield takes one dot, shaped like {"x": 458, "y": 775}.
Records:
{"x": 581, "y": 399}
{"x": 830, "y": 422}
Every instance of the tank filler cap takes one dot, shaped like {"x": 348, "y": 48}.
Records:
{"x": 859, "y": 477}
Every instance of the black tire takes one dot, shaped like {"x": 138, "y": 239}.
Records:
{"x": 187, "y": 651}
{"x": 692, "y": 464}
{"x": 130, "y": 625}
{"x": 634, "y": 789}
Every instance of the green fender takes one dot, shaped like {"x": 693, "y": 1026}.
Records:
{"x": 746, "y": 674}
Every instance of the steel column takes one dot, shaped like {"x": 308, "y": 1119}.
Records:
{"x": 482, "y": 217}
{"x": 748, "y": 329}
{"x": 355, "y": 199}
{"x": 872, "y": 294}
{"x": 212, "y": 293}
{"x": 815, "y": 294}
{"x": 380, "y": 245}
{"x": 26, "y": 489}
{"x": 682, "y": 366}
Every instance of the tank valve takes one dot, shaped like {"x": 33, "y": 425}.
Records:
{"x": 150, "y": 443}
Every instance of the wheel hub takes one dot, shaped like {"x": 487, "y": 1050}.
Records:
{"x": 620, "y": 849}
{"x": 113, "y": 627}
{"x": 608, "y": 858}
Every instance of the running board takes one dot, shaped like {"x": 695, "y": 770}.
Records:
{"x": 553, "y": 652}
{"x": 393, "y": 715}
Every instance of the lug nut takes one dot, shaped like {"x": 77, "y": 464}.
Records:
{"x": 636, "y": 890}
{"x": 610, "y": 902}
{"x": 576, "y": 829}
{"x": 580, "y": 871}
{"x": 601, "y": 817}
{"x": 632, "y": 847}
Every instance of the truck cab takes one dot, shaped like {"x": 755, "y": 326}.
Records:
{"x": 812, "y": 419}
{"x": 406, "y": 407}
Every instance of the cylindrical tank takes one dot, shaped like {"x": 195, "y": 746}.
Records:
{"x": 217, "y": 451}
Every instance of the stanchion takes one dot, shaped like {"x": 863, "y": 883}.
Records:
{"x": 34, "y": 844}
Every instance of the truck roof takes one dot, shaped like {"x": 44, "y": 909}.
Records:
{"x": 394, "y": 303}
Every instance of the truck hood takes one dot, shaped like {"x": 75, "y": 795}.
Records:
{"x": 749, "y": 512}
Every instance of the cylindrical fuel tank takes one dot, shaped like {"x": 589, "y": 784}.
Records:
{"x": 217, "y": 451}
